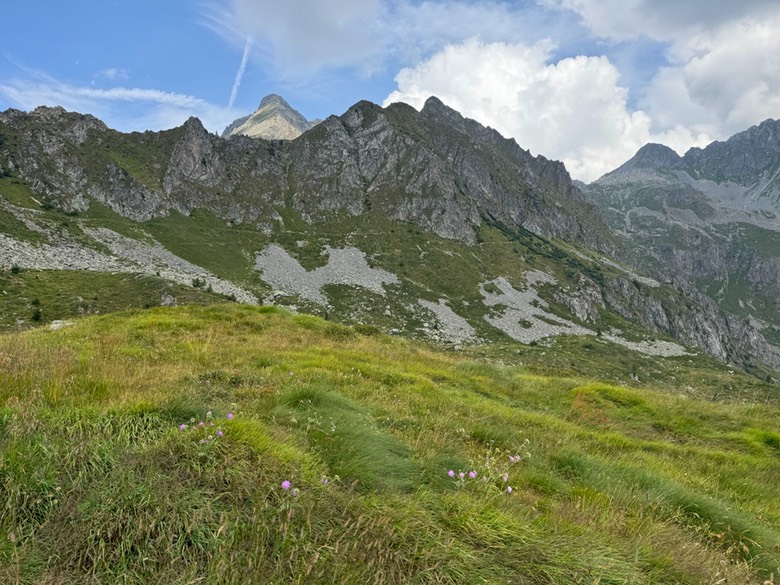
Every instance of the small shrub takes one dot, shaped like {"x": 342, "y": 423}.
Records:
{"x": 15, "y": 269}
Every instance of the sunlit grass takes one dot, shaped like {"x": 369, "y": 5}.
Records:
{"x": 98, "y": 484}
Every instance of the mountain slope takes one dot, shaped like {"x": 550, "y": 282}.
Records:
{"x": 707, "y": 221}
{"x": 422, "y": 223}
{"x": 329, "y": 458}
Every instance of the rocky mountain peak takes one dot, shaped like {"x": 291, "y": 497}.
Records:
{"x": 651, "y": 156}
{"x": 194, "y": 125}
{"x": 438, "y": 110}
{"x": 743, "y": 158}
{"x": 274, "y": 100}
{"x": 274, "y": 119}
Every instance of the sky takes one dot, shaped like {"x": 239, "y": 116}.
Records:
{"x": 587, "y": 82}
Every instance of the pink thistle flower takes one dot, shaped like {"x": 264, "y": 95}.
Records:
{"x": 511, "y": 459}
{"x": 230, "y": 416}
{"x": 451, "y": 473}
{"x": 472, "y": 474}
{"x": 286, "y": 485}
{"x": 509, "y": 489}
{"x": 461, "y": 475}
{"x": 182, "y": 426}
{"x": 201, "y": 423}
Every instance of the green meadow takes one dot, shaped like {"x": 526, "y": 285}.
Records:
{"x": 325, "y": 456}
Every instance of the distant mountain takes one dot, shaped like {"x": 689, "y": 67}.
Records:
{"x": 709, "y": 221}
{"x": 274, "y": 119}
{"x": 741, "y": 174}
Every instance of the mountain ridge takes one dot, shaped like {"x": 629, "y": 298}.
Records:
{"x": 452, "y": 185}
{"x": 708, "y": 221}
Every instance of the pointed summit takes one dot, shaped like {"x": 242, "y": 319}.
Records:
{"x": 653, "y": 156}
{"x": 274, "y": 119}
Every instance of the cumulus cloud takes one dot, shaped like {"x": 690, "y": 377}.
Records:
{"x": 125, "y": 109}
{"x": 572, "y": 110}
{"x": 724, "y": 81}
{"x": 722, "y": 75}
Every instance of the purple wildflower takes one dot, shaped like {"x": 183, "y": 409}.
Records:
{"x": 230, "y": 416}
{"x": 286, "y": 485}
{"x": 484, "y": 478}
{"x": 506, "y": 477}
{"x": 325, "y": 481}
{"x": 472, "y": 474}
{"x": 182, "y": 426}
{"x": 451, "y": 473}
{"x": 295, "y": 492}
{"x": 201, "y": 423}
{"x": 511, "y": 459}
{"x": 461, "y": 475}
{"x": 509, "y": 489}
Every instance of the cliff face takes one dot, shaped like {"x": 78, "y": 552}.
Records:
{"x": 448, "y": 176}
{"x": 434, "y": 168}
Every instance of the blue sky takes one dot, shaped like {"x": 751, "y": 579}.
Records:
{"x": 584, "y": 81}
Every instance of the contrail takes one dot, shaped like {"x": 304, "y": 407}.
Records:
{"x": 240, "y": 72}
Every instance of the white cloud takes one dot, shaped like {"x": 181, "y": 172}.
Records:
{"x": 723, "y": 74}
{"x": 573, "y": 110}
{"x": 663, "y": 20}
{"x": 114, "y": 74}
{"x": 725, "y": 80}
{"x": 125, "y": 109}
{"x": 302, "y": 36}
{"x": 308, "y": 33}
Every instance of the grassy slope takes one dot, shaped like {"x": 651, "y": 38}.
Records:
{"x": 32, "y": 297}
{"x": 98, "y": 484}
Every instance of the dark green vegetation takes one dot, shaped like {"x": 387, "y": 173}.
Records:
{"x": 616, "y": 485}
{"x": 62, "y": 294}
